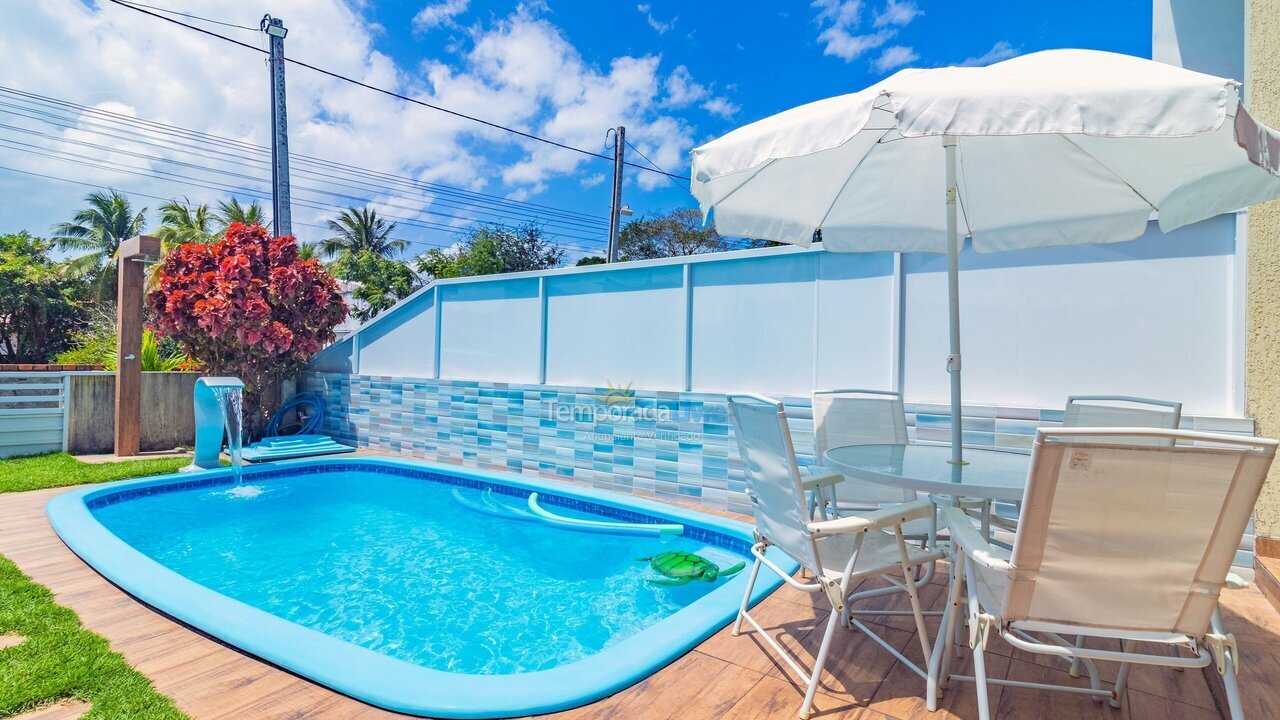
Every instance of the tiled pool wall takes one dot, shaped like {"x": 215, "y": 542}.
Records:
{"x": 661, "y": 444}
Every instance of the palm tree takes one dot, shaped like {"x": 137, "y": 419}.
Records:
{"x": 99, "y": 229}
{"x": 308, "y": 250}
{"x": 358, "y": 231}
{"x": 182, "y": 222}
{"x": 233, "y": 212}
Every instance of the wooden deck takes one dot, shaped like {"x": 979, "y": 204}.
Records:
{"x": 725, "y": 677}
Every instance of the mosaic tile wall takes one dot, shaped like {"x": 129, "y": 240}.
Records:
{"x": 666, "y": 445}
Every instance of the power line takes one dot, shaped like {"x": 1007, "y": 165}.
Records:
{"x": 454, "y": 194}
{"x": 232, "y": 189}
{"x": 253, "y": 178}
{"x": 131, "y": 3}
{"x": 669, "y": 176}
{"x": 406, "y": 98}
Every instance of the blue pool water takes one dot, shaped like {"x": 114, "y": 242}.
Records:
{"x": 395, "y": 564}
{"x": 394, "y": 582}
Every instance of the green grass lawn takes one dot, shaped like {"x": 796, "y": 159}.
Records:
{"x": 60, "y": 469}
{"x": 60, "y": 659}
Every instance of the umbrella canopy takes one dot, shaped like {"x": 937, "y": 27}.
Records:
{"x": 1052, "y": 148}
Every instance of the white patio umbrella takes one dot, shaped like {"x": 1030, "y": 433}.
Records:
{"x": 1052, "y": 148}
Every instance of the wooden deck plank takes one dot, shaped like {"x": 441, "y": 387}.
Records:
{"x": 725, "y": 677}
{"x": 65, "y": 710}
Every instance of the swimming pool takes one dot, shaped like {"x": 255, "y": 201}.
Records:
{"x": 418, "y": 587}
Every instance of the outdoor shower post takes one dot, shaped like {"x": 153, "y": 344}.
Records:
{"x": 131, "y": 276}
{"x": 953, "y": 300}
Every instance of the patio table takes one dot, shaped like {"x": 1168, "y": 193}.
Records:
{"x": 988, "y": 474}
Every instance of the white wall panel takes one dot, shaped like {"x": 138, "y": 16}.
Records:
{"x": 619, "y": 327}
{"x": 1152, "y": 317}
{"x": 404, "y": 345}
{"x": 855, "y": 321}
{"x": 490, "y": 330}
{"x": 753, "y": 324}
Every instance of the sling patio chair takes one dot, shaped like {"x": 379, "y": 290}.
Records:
{"x": 836, "y": 554}
{"x": 854, "y": 417}
{"x": 1122, "y": 411}
{"x": 1126, "y": 535}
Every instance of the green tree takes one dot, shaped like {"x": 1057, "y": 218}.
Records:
{"x": 231, "y": 211}
{"x": 358, "y": 230}
{"x": 381, "y": 282}
{"x": 493, "y": 249}
{"x": 591, "y": 260}
{"x": 152, "y": 357}
{"x": 308, "y": 250}
{"x": 98, "y": 230}
{"x": 40, "y": 305}
{"x": 679, "y": 232}
{"x": 182, "y": 223}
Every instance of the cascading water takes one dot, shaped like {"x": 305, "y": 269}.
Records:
{"x": 231, "y": 402}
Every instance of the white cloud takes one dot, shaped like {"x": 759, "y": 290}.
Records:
{"x": 897, "y": 12}
{"x": 848, "y": 47}
{"x": 667, "y": 143}
{"x": 838, "y": 19}
{"x": 518, "y": 70}
{"x": 682, "y": 89}
{"x": 1002, "y": 50}
{"x": 839, "y": 13}
{"x": 434, "y": 15}
{"x": 659, "y": 26}
{"x": 722, "y": 107}
{"x": 591, "y": 181}
{"x": 895, "y": 56}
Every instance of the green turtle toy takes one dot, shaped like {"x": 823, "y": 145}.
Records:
{"x": 679, "y": 568}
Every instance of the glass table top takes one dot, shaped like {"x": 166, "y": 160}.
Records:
{"x": 990, "y": 474}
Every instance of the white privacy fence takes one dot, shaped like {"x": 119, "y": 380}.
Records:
{"x": 1160, "y": 316}
{"x": 33, "y": 412}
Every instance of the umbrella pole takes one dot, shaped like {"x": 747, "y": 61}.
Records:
{"x": 953, "y": 300}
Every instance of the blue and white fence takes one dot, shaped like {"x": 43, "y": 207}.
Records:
{"x": 522, "y": 371}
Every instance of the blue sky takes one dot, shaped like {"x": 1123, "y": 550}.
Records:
{"x": 765, "y": 57}
{"x": 675, "y": 73}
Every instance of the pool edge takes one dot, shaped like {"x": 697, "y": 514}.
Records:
{"x": 378, "y": 679}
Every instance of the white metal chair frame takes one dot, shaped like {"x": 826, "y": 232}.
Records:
{"x": 972, "y": 553}
{"x": 822, "y": 480}
{"x": 836, "y": 588}
{"x": 1169, "y": 411}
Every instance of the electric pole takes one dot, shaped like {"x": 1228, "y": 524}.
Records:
{"x": 615, "y": 212}
{"x": 275, "y": 30}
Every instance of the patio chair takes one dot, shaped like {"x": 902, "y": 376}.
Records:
{"x": 837, "y": 554}
{"x": 1122, "y": 411}
{"x": 1126, "y": 535}
{"x": 855, "y": 417}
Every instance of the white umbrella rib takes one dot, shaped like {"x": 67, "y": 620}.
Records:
{"x": 1111, "y": 170}
{"x": 849, "y": 178}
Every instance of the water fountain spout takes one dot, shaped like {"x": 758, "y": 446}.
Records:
{"x": 218, "y": 413}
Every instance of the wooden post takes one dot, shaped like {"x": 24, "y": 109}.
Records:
{"x": 132, "y": 274}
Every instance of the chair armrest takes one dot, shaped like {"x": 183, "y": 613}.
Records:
{"x": 970, "y": 541}
{"x": 877, "y": 520}
{"x": 820, "y": 477}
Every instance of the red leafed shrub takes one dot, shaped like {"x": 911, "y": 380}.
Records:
{"x": 247, "y": 306}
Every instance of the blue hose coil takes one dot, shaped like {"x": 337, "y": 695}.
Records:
{"x": 314, "y": 420}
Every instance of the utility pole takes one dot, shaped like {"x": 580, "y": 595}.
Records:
{"x": 283, "y": 224}
{"x": 615, "y": 212}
